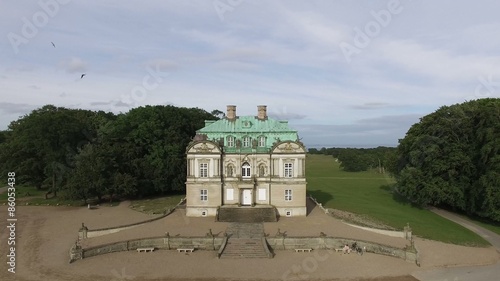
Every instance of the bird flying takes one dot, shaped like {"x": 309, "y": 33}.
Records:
{"x": 82, "y": 75}
{"x": 53, "y": 44}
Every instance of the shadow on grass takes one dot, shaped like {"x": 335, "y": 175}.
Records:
{"x": 321, "y": 196}
{"x": 398, "y": 197}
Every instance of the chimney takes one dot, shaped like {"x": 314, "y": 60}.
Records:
{"x": 262, "y": 112}
{"x": 231, "y": 112}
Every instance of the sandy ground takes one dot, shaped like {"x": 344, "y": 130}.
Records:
{"x": 45, "y": 234}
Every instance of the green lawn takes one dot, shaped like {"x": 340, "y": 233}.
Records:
{"x": 156, "y": 205}
{"x": 370, "y": 193}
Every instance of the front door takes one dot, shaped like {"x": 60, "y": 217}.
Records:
{"x": 247, "y": 197}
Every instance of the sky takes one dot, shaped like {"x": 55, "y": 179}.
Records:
{"x": 344, "y": 73}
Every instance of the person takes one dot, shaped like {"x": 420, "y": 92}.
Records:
{"x": 346, "y": 249}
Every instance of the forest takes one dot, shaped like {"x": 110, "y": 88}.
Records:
{"x": 83, "y": 154}
{"x": 451, "y": 159}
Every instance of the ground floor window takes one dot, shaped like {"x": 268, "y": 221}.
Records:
{"x": 204, "y": 195}
{"x": 288, "y": 213}
{"x": 288, "y": 195}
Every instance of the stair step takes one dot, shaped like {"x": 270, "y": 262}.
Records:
{"x": 247, "y": 214}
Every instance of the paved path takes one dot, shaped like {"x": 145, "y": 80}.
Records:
{"x": 469, "y": 273}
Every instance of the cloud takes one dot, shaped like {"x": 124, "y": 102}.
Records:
{"x": 162, "y": 64}
{"x": 372, "y": 105}
{"x": 73, "y": 65}
{"x": 237, "y": 66}
{"x": 381, "y": 130}
{"x": 16, "y": 108}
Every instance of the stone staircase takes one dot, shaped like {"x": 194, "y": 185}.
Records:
{"x": 245, "y": 240}
{"x": 247, "y": 214}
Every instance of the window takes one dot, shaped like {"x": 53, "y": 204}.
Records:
{"x": 204, "y": 213}
{"x": 262, "y": 194}
{"x": 204, "y": 195}
{"x": 288, "y": 195}
{"x": 203, "y": 170}
{"x": 230, "y": 194}
{"x": 262, "y": 141}
{"x": 288, "y": 170}
{"x": 246, "y": 141}
{"x": 230, "y": 141}
{"x": 245, "y": 170}
{"x": 288, "y": 213}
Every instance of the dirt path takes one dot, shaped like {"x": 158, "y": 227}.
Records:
{"x": 45, "y": 234}
{"x": 470, "y": 273}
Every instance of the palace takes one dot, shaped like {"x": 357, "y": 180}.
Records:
{"x": 246, "y": 162}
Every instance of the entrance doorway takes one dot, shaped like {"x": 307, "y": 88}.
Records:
{"x": 247, "y": 197}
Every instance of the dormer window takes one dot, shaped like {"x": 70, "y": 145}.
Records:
{"x": 246, "y": 141}
{"x": 230, "y": 141}
{"x": 262, "y": 141}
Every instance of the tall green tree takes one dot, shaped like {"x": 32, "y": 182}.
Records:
{"x": 451, "y": 158}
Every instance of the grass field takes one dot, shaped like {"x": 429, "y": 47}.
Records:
{"x": 156, "y": 205}
{"x": 28, "y": 195}
{"x": 370, "y": 193}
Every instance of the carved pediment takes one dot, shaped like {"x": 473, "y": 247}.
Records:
{"x": 289, "y": 147}
{"x": 204, "y": 147}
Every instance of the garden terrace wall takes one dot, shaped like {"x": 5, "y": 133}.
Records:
{"x": 290, "y": 243}
{"x": 167, "y": 243}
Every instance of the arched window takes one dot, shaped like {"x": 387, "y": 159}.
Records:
{"x": 245, "y": 170}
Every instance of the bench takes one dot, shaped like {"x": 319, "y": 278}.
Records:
{"x": 145, "y": 250}
{"x": 339, "y": 250}
{"x": 185, "y": 250}
{"x": 303, "y": 250}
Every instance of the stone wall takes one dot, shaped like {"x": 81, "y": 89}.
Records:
{"x": 166, "y": 243}
{"x": 84, "y": 232}
{"x": 406, "y": 233}
{"x": 290, "y": 243}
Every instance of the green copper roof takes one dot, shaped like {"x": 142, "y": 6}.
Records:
{"x": 249, "y": 126}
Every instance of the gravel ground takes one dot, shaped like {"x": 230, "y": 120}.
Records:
{"x": 45, "y": 234}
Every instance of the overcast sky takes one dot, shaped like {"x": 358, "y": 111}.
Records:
{"x": 344, "y": 73}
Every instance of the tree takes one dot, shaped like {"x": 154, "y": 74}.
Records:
{"x": 451, "y": 158}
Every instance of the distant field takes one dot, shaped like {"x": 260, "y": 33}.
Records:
{"x": 369, "y": 193}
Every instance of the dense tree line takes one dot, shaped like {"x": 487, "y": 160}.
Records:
{"x": 86, "y": 154}
{"x": 451, "y": 157}
{"x": 359, "y": 159}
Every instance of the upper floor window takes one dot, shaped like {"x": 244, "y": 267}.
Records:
{"x": 230, "y": 141}
{"x": 203, "y": 170}
{"x": 288, "y": 195}
{"x": 246, "y": 141}
{"x": 288, "y": 170}
{"x": 245, "y": 170}
{"x": 262, "y": 141}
